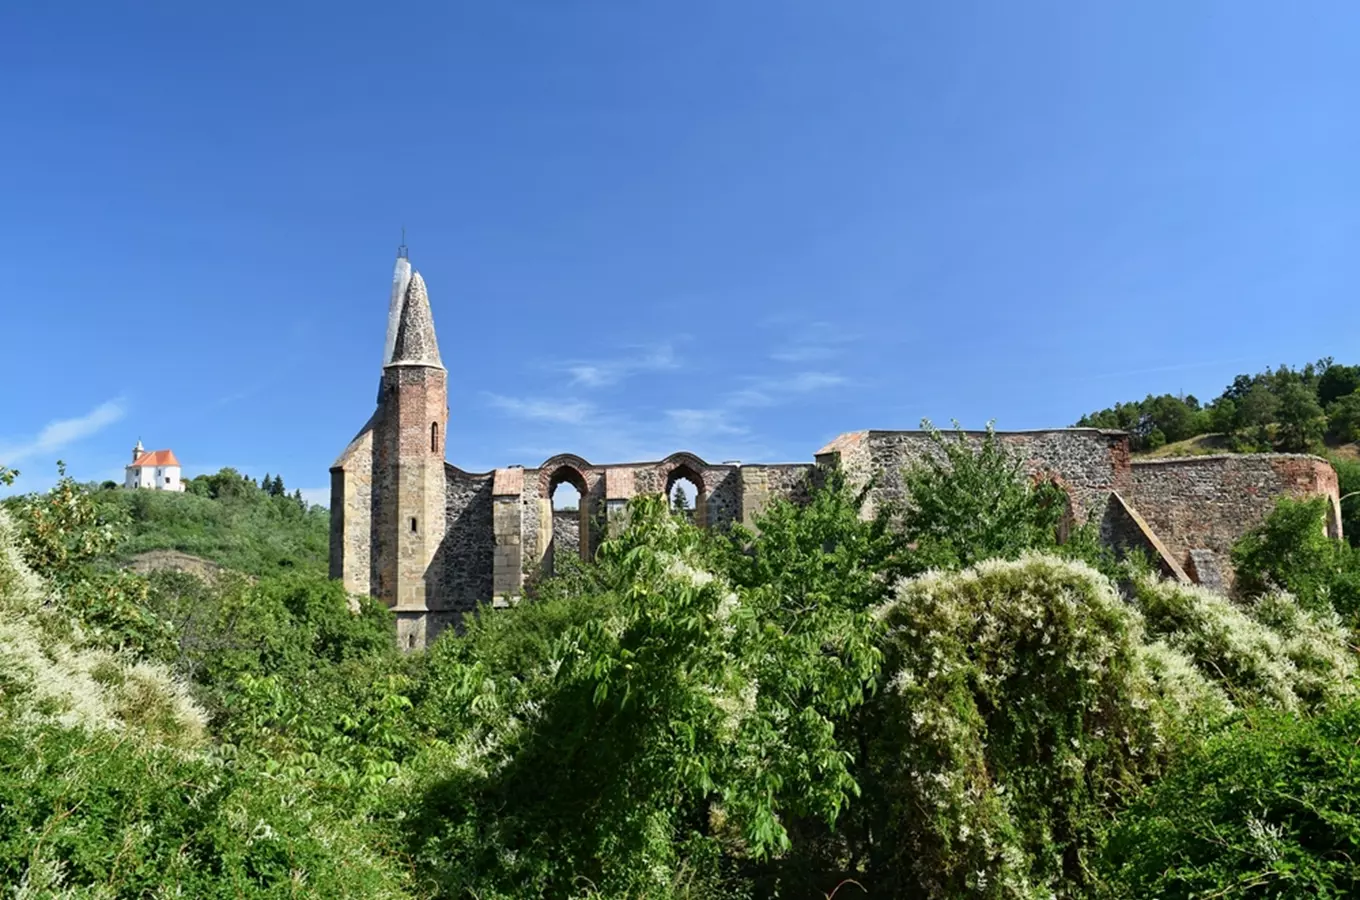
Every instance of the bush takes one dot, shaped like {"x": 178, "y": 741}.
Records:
{"x": 1271, "y": 651}
{"x": 1291, "y": 552}
{"x": 1021, "y": 710}
{"x": 97, "y": 816}
{"x": 968, "y": 502}
{"x": 678, "y": 723}
{"x": 1270, "y": 808}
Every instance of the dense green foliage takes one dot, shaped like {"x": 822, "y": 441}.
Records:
{"x": 1284, "y": 409}
{"x": 962, "y": 696}
{"x": 116, "y": 781}
{"x": 226, "y": 519}
{"x": 1269, "y": 808}
{"x": 1290, "y": 551}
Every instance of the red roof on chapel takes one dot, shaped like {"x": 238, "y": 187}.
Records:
{"x": 156, "y": 458}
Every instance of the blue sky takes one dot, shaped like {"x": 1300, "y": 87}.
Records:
{"x": 737, "y": 228}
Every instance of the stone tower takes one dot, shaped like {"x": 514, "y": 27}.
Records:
{"x": 387, "y": 488}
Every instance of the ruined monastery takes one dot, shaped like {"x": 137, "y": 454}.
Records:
{"x": 433, "y": 541}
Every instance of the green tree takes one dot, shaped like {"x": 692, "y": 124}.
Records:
{"x": 276, "y": 488}
{"x": 679, "y": 502}
{"x": 973, "y": 500}
{"x": 1337, "y": 382}
{"x": 1256, "y": 410}
{"x": 1301, "y": 420}
{"x": 1289, "y": 551}
{"x": 680, "y": 719}
{"x": 1343, "y": 418}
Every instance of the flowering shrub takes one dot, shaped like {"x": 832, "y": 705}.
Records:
{"x": 1019, "y": 710}
{"x": 108, "y": 787}
{"x": 1270, "y": 651}
{"x": 47, "y": 676}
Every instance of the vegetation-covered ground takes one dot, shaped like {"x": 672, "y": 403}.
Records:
{"x": 954, "y": 707}
{"x": 228, "y": 519}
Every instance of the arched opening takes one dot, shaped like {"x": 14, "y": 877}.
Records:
{"x": 568, "y": 519}
{"x": 681, "y": 497}
{"x": 434, "y": 437}
{"x": 686, "y": 495}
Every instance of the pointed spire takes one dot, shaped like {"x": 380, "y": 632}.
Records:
{"x": 401, "y": 276}
{"x": 415, "y": 342}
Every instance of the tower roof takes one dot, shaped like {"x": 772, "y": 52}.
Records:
{"x": 415, "y": 344}
{"x": 401, "y": 278}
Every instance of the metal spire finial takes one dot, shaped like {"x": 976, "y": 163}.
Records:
{"x": 402, "y": 252}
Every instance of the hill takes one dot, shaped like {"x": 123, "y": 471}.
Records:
{"x": 225, "y": 519}
{"x": 1313, "y": 409}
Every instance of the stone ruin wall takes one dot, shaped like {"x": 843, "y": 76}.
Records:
{"x": 1199, "y": 506}
{"x": 502, "y": 532}
{"x": 467, "y": 555}
{"x": 1088, "y": 462}
{"x": 499, "y": 525}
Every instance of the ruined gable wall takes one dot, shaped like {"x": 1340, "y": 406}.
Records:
{"x": 1204, "y": 503}
{"x": 1088, "y": 462}
{"x": 351, "y": 532}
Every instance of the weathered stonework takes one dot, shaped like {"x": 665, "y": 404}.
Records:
{"x": 1089, "y": 462}
{"x": 1201, "y": 505}
{"x": 435, "y": 542}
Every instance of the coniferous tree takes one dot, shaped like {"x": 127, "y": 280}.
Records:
{"x": 266, "y": 485}
{"x": 277, "y": 487}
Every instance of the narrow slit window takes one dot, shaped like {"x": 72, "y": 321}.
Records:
{"x": 413, "y": 525}
{"x": 434, "y": 437}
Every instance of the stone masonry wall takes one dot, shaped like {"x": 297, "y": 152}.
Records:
{"x": 1088, "y": 462}
{"x": 351, "y": 533}
{"x": 566, "y": 536}
{"x": 1206, "y": 503}
{"x": 468, "y": 550}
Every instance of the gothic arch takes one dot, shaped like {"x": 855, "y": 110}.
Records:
{"x": 564, "y": 469}
{"x": 550, "y": 473}
{"x": 1068, "y": 520}
{"x": 689, "y": 467}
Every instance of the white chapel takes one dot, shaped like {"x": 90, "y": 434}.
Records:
{"x": 156, "y": 470}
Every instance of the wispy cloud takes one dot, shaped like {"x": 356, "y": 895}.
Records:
{"x": 570, "y": 412}
{"x": 600, "y": 373}
{"x": 690, "y": 423}
{"x": 769, "y": 391}
{"x": 811, "y": 342}
{"x": 63, "y": 432}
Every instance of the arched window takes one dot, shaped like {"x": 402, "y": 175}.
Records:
{"x": 434, "y": 437}
{"x": 685, "y": 494}
{"x": 569, "y": 528}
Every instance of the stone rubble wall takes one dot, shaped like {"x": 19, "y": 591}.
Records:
{"x": 1088, "y": 462}
{"x": 468, "y": 550}
{"x": 1206, "y": 503}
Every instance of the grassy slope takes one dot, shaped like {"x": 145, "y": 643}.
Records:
{"x": 255, "y": 534}
{"x": 1205, "y": 444}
